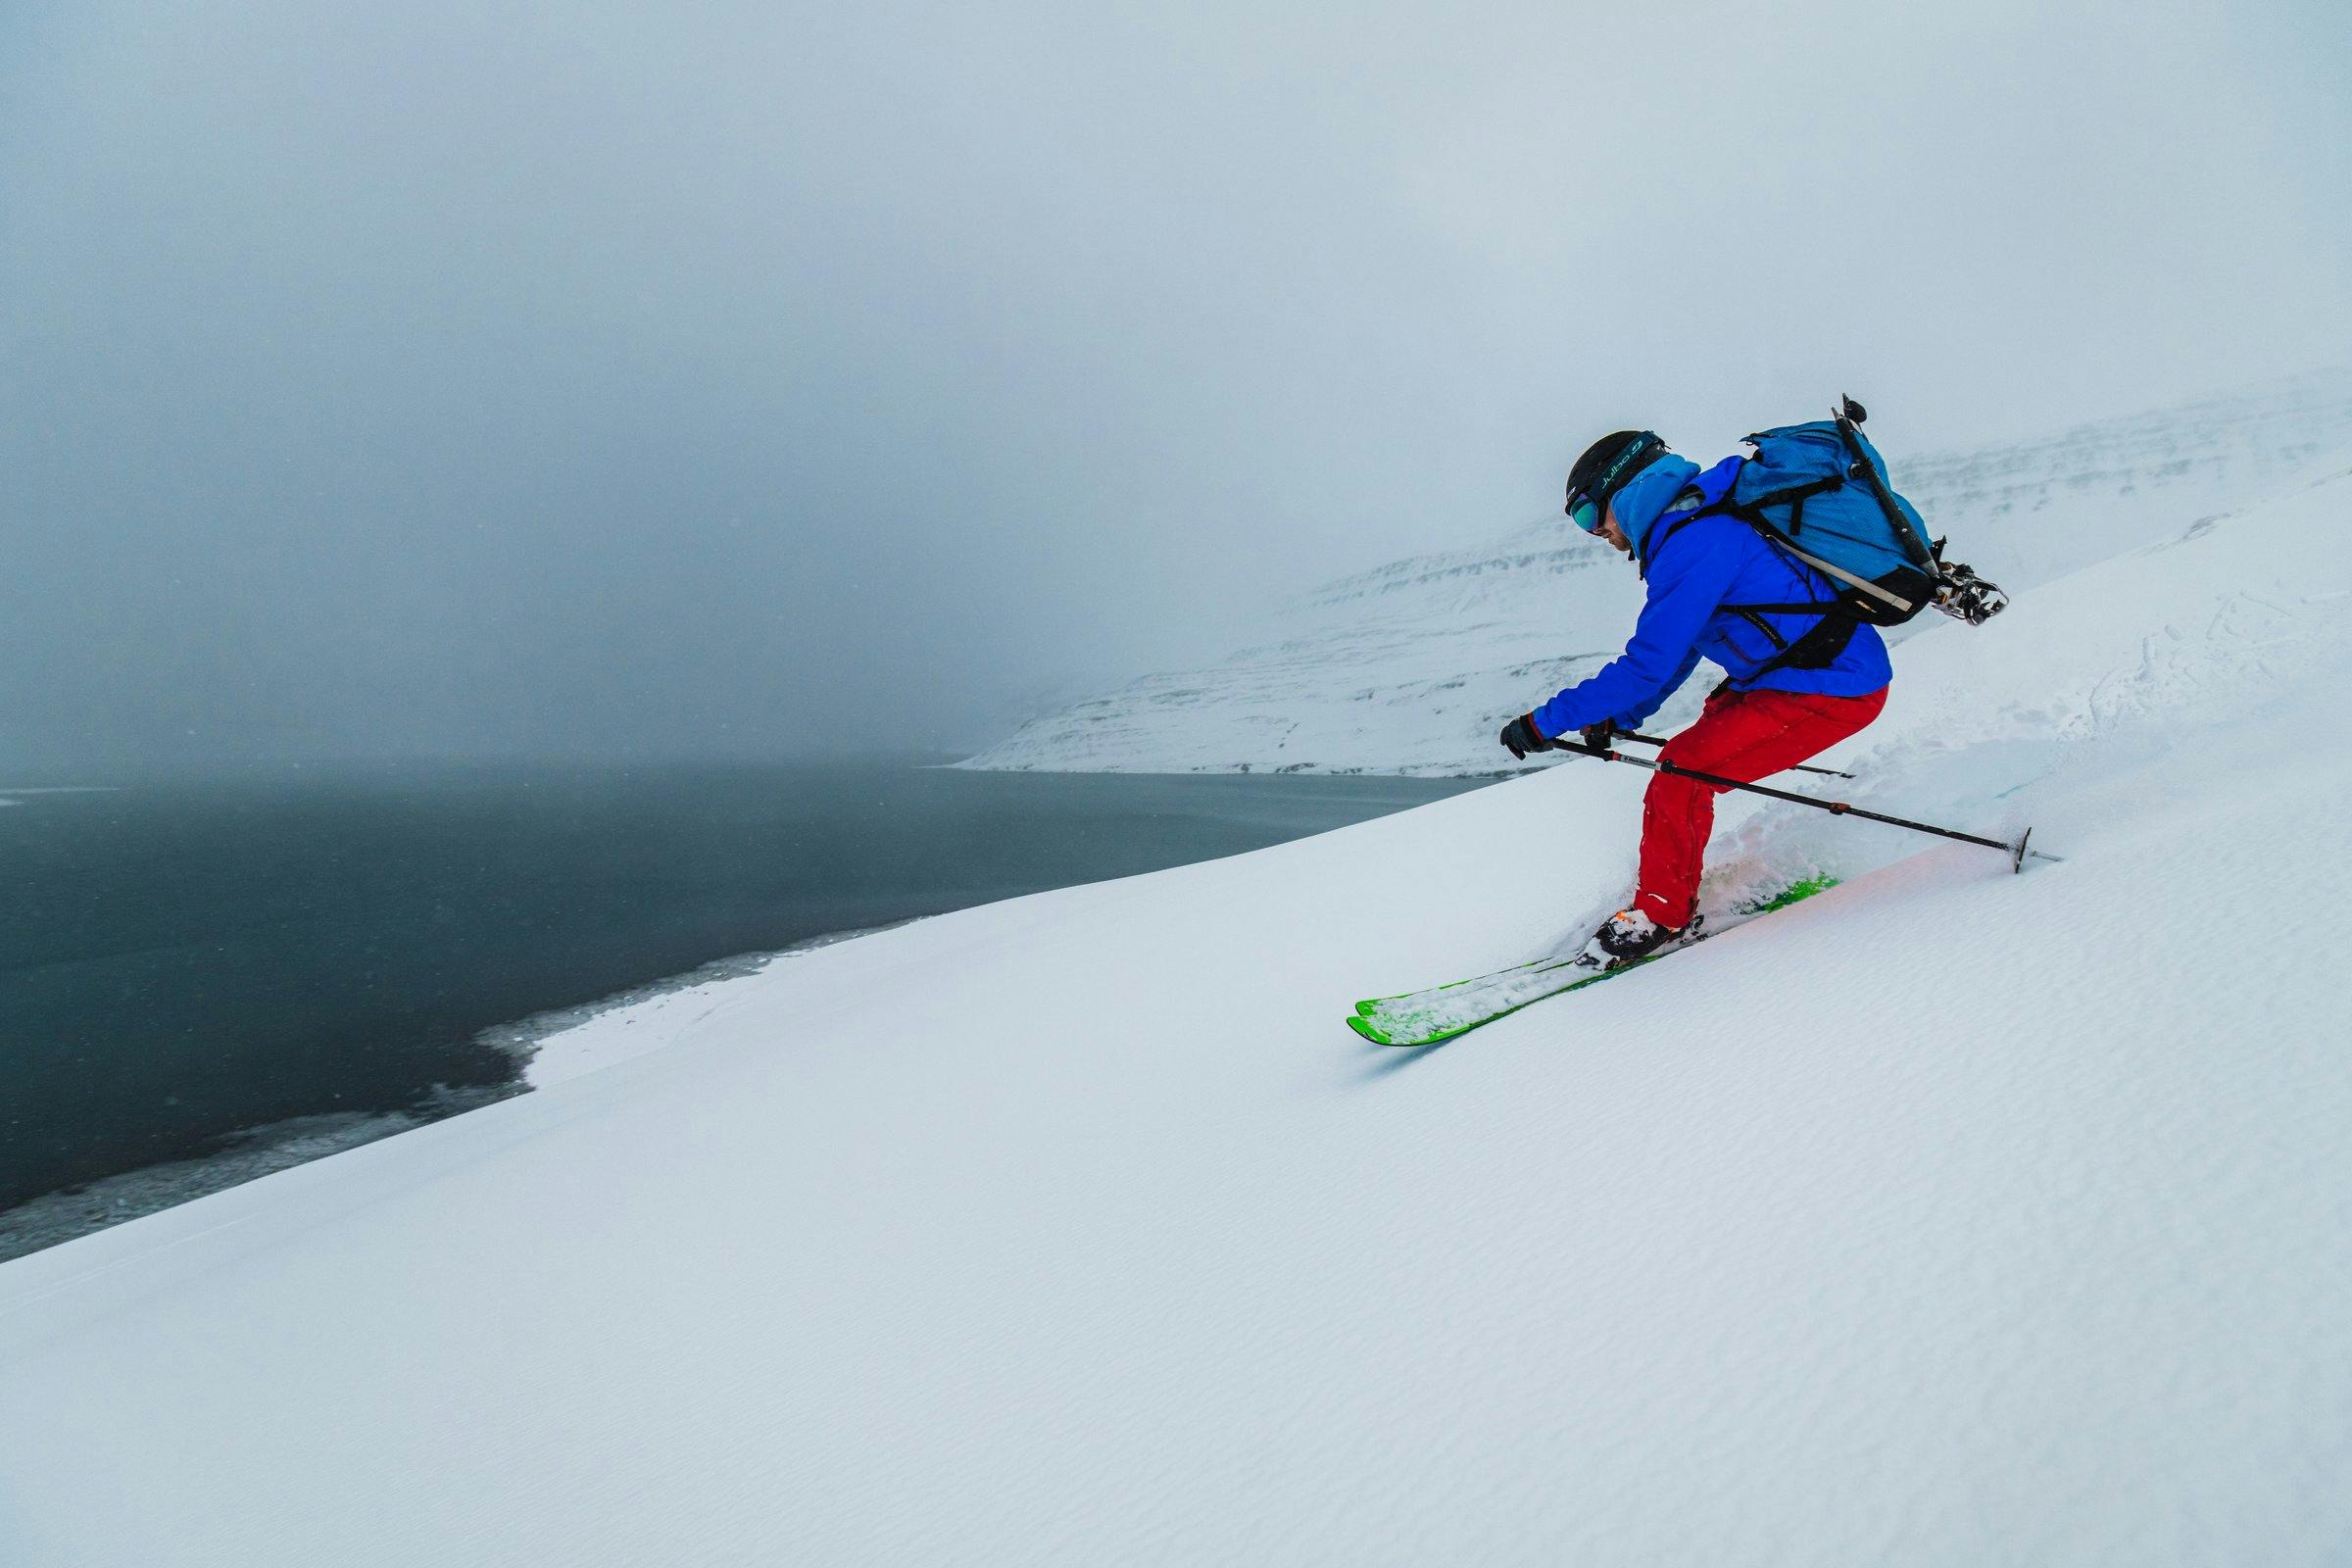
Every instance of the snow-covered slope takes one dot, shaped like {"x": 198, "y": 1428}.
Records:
{"x": 1413, "y": 668}
{"x": 1952, "y": 1217}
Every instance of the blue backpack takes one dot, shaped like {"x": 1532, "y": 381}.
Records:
{"x": 1820, "y": 492}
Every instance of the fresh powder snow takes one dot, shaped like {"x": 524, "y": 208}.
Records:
{"x": 1949, "y": 1217}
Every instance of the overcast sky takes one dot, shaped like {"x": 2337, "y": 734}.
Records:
{"x": 611, "y": 379}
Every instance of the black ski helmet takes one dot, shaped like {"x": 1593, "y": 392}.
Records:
{"x": 1607, "y": 465}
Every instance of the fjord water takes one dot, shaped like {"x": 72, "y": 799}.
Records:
{"x": 183, "y": 963}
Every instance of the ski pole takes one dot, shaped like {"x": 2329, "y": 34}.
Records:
{"x": 1798, "y": 768}
{"x": 2017, "y": 852}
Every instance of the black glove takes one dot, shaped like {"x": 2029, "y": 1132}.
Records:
{"x": 1520, "y": 736}
{"x": 1598, "y": 736}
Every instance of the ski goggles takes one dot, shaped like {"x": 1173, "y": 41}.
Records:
{"x": 1586, "y": 506}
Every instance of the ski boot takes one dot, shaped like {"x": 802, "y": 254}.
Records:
{"x": 1629, "y": 936}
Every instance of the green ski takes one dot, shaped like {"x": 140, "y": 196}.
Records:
{"x": 1442, "y": 1012}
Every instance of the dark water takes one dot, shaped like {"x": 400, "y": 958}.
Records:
{"x": 180, "y": 964}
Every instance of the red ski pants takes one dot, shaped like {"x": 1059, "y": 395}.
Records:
{"x": 1741, "y": 735}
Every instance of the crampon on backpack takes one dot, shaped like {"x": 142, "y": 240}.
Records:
{"x": 1820, "y": 492}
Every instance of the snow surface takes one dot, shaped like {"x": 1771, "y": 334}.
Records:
{"x": 1949, "y": 1217}
{"x": 1415, "y": 666}
{"x": 569, "y": 1042}
{"x": 60, "y": 1216}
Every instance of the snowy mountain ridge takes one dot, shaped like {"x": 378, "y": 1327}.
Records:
{"x": 1411, "y": 666}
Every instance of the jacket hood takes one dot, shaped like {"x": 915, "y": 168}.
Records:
{"x": 1638, "y": 502}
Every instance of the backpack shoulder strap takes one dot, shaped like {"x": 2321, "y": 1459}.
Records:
{"x": 1819, "y": 645}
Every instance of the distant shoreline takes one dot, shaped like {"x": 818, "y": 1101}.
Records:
{"x": 582, "y": 1036}
{"x": 345, "y": 958}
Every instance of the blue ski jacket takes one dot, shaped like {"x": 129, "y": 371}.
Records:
{"x": 1694, "y": 569}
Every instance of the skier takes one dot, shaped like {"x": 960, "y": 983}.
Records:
{"x": 1799, "y": 681}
